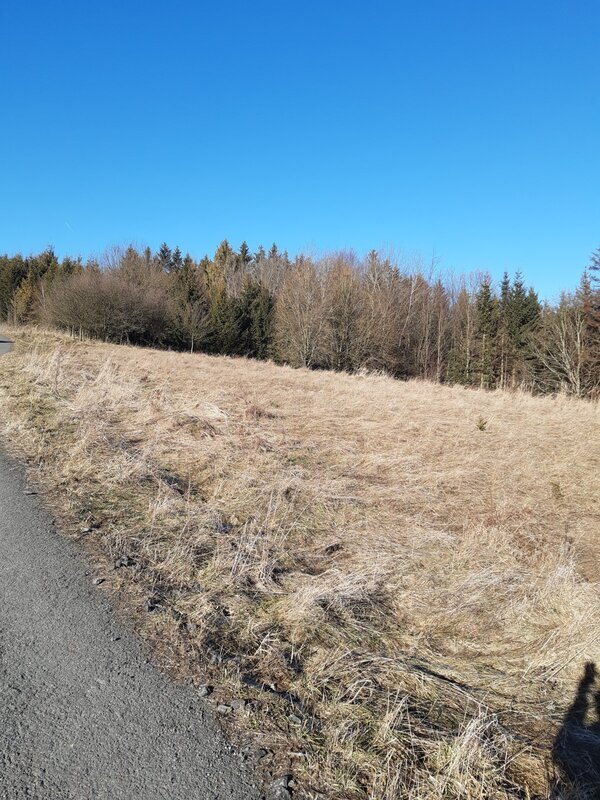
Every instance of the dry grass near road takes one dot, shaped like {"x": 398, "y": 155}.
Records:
{"x": 415, "y": 564}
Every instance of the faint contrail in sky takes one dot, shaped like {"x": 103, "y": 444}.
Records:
{"x": 69, "y": 227}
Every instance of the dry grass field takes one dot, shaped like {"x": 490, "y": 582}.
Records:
{"x": 402, "y": 579}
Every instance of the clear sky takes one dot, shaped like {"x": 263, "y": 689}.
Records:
{"x": 465, "y": 128}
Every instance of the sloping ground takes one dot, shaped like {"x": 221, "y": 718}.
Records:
{"x": 397, "y": 576}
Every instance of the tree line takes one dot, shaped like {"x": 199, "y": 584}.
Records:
{"x": 337, "y": 312}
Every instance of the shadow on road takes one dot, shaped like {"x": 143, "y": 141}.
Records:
{"x": 576, "y": 751}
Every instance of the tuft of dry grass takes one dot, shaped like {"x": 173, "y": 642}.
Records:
{"x": 405, "y": 603}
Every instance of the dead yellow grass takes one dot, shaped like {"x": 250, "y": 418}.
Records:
{"x": 416, "y": 596}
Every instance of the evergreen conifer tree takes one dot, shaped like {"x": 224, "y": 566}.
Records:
{"x": 176, "y": 260}
{"x": 164, "y": 258}
{"x": 221, "y": 332}
{"x": 521, "y": 316}
{"x": 254, "y": 321}
{"x": 190, "y": 319}
{"x": 244, "y": 256}
{"x": 486, "y": 332}
{"x": 505, "y": 292}
{"x": 504, "y": 344}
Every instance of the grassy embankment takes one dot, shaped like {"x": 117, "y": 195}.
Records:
{"x": 415, "y": 565}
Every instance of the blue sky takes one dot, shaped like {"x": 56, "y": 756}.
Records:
{"x": 466, "y": 129}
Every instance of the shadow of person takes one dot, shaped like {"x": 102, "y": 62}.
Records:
{"x": 576, "y": 751}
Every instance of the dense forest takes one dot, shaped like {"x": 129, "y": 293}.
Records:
{"x": 339, "y": 312}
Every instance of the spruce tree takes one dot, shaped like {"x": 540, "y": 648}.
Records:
{"x": 190, "y": 319}
{"x": 263, "y": 309}
{"x": 522, "y": 315}
{"x": 505, "y": 355}
{"x": 221, "y": 312}
{"x": 164, "y": 258}
{"x": 505, "y": 293}
{"x": 253, "y": 321}
{"x": 486, "y": 331}
{"x": 176, "y": 260}
{"x": 44, "y": 265}
{"x": 71, "y": 266}
{"x": 224, "y": 256}
{"x": 372, "y": 259}
{"x": 244, "y": 256}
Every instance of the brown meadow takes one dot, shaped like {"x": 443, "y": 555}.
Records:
{"x": 401, "y": 579}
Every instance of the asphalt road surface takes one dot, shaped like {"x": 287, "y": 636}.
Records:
{"x": 83, "y": 715}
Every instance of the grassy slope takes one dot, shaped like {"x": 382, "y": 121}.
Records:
{"x": 427, "y": 590}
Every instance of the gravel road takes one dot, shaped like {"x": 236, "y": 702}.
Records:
{"x": 82, "y": 713}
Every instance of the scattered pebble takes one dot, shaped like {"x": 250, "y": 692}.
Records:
{"x": 98, "y": 581}
{"x": 280, "y": 788}
{"x": 205, "y": 690}
{"x": 222, "y": 708}
{"x": 124, "y": 561}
